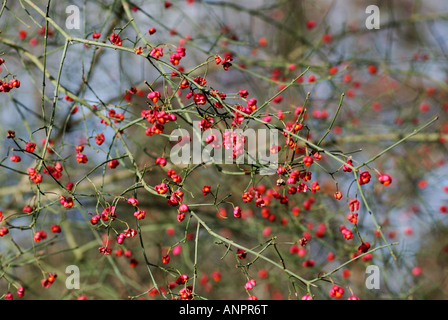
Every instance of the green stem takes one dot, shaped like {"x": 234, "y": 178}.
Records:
{"x": 332, "y": 122}
{"x": 366, "y": 204}
{"x": 214, "y": 234}
{"x": 398, "y": 142}
{"x": 323, "y": 276}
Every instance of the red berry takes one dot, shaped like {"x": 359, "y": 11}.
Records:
{"x": 15, "y": 158}
{"x": 310, "y": 24}
{"x": 336, "y": 292}
{"x": 22, "y": 34}
{"x": 55, "y": 228}
{"x": 352, "y": 217}
{"x": 307, "y": 161}
{"x": 3, "y": 231}
{"x": 385, "y": 179}
{"x": 206, "y": 190}
{"x": 115, "y": 39}
{"x": 326, "y": 38}
{"x": 30, "y": 147}
{"x": 237, "y": 212}
{"x": 140, "y": 214}
{"x": 113, "y": 163}
{"x": 21, "y": 292}
{"x": 364, "y": 177}
{"x": 364, "y": 247}
{"x": 81, "y": 158}
{"x": 372, "y": 69}
{"x": 161, "y": 161}
{"x": 241, "y": 254}
{"x": 183, "y": 208}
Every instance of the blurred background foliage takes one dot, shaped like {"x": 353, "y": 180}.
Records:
{"x": 271, "y": 42}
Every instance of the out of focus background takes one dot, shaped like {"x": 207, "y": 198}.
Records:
{"x": 394, "y": 80}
